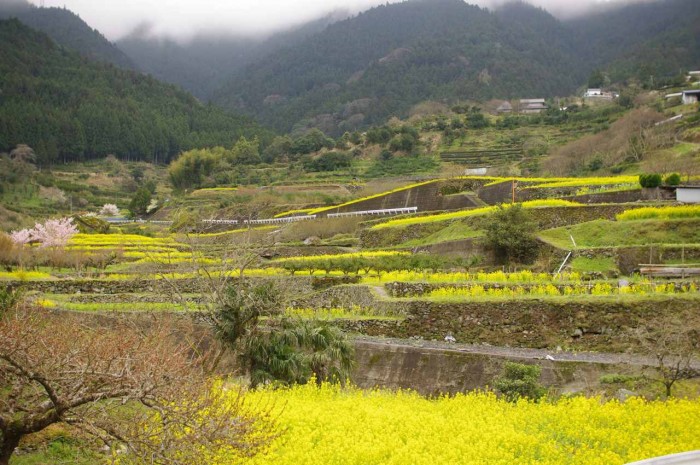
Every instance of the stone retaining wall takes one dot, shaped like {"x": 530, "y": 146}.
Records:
{"x": 185, "y": 286}
{"x": 341, "y": 297}
{"x": 603, "y": 325}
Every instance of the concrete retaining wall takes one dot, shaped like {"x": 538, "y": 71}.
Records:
{"x": 433, "y": 371}
{"x": 427, "y": 197}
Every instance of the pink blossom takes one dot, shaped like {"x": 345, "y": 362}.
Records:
{"x": 109, "y": 209}
{"x": 21, "y": 237}
{"x": 54, "y": 233}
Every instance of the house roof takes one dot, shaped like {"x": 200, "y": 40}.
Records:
{"x": 691, "y": 92}
{"x": 532, "y": 100}
{"x": 505, "y": 106}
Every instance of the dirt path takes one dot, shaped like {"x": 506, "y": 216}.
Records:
{"x": 514, "y": 352}
{"x": 381, "y": 292}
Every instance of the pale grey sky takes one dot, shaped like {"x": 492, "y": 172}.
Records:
{"x": 183, "y": 18}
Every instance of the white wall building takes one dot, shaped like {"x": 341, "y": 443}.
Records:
{"x": 688, "y": 194}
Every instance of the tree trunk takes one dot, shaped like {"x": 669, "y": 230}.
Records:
{"x": 8, "y": 444}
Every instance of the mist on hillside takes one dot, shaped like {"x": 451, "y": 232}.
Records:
{"x": 183, "y": 20}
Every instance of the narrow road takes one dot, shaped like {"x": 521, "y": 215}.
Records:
{"x": 515, "y": 352}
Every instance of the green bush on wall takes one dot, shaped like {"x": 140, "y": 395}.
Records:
{"x": 650, "y": 180}
{"x": 673, "y": 179}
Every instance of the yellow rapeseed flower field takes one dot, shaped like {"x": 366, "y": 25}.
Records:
{"x": 461, "y": 214}
{"x": 623, "y": 181}
{"x": 23, "y": 275}
{"x": 661, "y": 213}
{"x": 354, "y": 427}
{"x": 119, "y": 239}
{"x": 367, "y": 254}
{"x": 519, "y": 277}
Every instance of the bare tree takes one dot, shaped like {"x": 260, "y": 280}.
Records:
{"x": 140, "y": 386}
{"x": 675, "y": 349}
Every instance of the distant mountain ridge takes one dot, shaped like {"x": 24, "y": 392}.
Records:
{"x": 451, "y": 50}
{"x": 68, "y": 30}
{"x": 362, "y": 70}
{"x": 644, "y": 39}
{"x": 342, "y": 75}
{"x": 201, "y": 65}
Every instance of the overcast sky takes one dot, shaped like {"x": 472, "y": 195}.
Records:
{"x": 183, "y": 18}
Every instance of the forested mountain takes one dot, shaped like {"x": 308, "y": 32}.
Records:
{"x": 641, "y": 40}
{"x": 385, "y": 60}
{"x": 202, "y": 64}
{"x": 67, "y": 29}
{"x": 67, "y": 107}
{"x": 360, "y": 71}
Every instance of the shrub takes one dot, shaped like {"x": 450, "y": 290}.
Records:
{"x": 510, "y": 231}
{"x": 330, "y": 161}
{"x": 520, "y": 381}
{"x": 650, "y": 180}
{"x": 91, "y": 224}
{"x": 673, "y": 179}
{"x": 477, "y": 121}
{"x": 9, "y": 298}
{"x": 142, "y": 199}
{"x": 8, "y": 254}
{"x": 184, "y": 221}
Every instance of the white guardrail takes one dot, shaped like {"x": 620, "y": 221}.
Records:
{"x": 137, "y": 220}
{"x": 386, "y": 211}
{"x": 288, "y": 219}
{"x": 686, "y": 458}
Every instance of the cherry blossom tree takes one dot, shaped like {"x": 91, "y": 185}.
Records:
{"x": 21, "y": 237}
{"x": 54, "y": 233}
{"x": 109, "y": 209}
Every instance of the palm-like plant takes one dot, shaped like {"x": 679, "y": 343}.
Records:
{"x": 295, "y": 351}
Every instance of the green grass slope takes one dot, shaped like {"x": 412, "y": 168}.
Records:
{"x": 605, "y": 233}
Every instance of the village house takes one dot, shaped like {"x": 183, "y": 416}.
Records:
{"x": 693, "y": 75}
{"x": 599, "y": 94}
{"x": 534, "y": 105}
{"x": 690, "y": 96}
{"x": 505, "y": 107}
